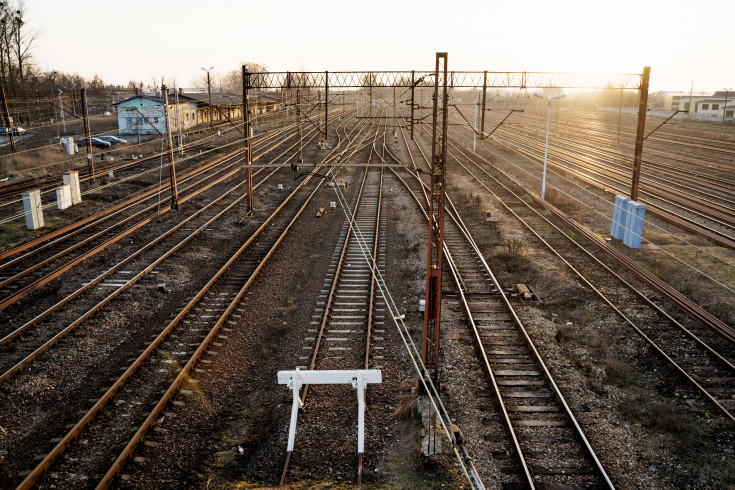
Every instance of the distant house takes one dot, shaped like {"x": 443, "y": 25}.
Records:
{"x": 716, "y": 104}
{"x": 144, "y": 114}
{"x": 703, "y": 105}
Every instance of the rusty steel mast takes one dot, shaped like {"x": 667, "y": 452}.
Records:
{"x": 430, "y": 344}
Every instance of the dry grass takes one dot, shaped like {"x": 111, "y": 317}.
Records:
{"x": 36, "y": 164}
{"x": 514, "y": 248}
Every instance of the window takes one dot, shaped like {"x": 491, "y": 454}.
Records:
{"x": 705, "y": 107}
{"x": 187, "y": 117}
{"x": 728, "y": 113}
{"x": 155, "y": 120}
{"x": 130, "y": 121}
{"x": 686, "y": 106}
{"x": 715, "y": 107}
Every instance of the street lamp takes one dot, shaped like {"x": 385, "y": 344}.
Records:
{"x": 724, "y": 110}
{"x": 209, "y": 92}
{"x": 546, "y": 150}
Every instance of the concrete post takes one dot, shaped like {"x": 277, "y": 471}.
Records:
{"x": 72, "y": 179}
{"x": 33, "y": 209}
{"x": 63, "y": 196}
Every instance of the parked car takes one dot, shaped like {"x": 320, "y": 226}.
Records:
{"x": 107, "y": 113}
{"x": 112, "y": 139}
{"x": 96, "y": 142}
{"x": 17, "y": 131}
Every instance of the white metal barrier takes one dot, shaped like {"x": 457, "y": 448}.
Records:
{"x": 358, "y": 378}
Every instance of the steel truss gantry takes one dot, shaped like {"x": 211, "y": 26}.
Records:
{"x": 442, "y": 81}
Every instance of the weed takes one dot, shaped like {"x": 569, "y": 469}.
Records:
{"x": 515, "y": 248}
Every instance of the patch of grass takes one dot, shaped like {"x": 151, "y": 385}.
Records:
{"x": 618, "y": 372}
{"x": 513, "y": 248}
{"x": 661, "y": 416}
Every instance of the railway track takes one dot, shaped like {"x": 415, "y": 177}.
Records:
{"x": 40, "y": 265}
{"x": 692, "y": 309}
{"x": 548, "y": 446}
{"x": 36, "y": 265}
{"x": 695, "y": 210}
{"x": 26, "y": 341}
{"x": 347, "y": 328}
{"x": 10, "y": 192}
{"x": 709, "y": 369}
{"x": 183, "y": 342}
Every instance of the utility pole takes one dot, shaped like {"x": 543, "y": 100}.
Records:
{"x": 724, "y": 109}
{"x": 639, "y": 133}
{"x": 482, "y": 116}
{"x": 178, "y": 120}
{"x": 56, "y": 118}
{"x": 61, "y": 106}
{"x": 691, "y": 92}
{"x": 326, "y": 107}
{"x": 171, "y": 164}
{"x": 209, "y": 94}
{"x": 247, "y": 134}
{"x": 474, "y": 129}
{"x": 620, "y": 112}
{"x": 90, "y": 156}
{"x": 370, "y": 97}
{"x": 430, "y": 344}
{"x": 413, "y": 102}
{"x": 298, "y": 116}
{"x": 10, "y": 121}
{"x": 38, "y": 107}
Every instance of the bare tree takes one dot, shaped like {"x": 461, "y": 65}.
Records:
{"x": 16, "y": 43}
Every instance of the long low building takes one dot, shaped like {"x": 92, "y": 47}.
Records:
{"x": 145, "y": 114}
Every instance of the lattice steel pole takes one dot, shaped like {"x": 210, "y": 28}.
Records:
{"x": 248, "y": 137}
{"x": 413, "y": 102}
{"x": 639, "y": 137}
{"x": 430, "y": 346}
{"x": 326, "y": 107}
{"x": 170, "y": 152}
{"x": 90, "y": 154}
{"x": 484, "y": 93}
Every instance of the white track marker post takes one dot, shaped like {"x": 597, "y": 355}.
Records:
{"x": 358, "y": 378}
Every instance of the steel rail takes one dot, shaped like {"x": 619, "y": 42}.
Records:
{"x": 716, "y": 215}
{"x": 150, "y": 420}
{"x": 104, "y": 213}
{"x": 539, "y": 361}
{"x": 330, "y": 298}
{"x": 673, "y": 217}
{"x": 685, "y": 304}
{"x": 24, "y": 291}
{"x": 712, "y": 352}
{"x": 44, "y": 347}
{"x": 38, "y": 471}
{"x": 580, "y": 157}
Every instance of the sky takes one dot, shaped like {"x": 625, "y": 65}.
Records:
{"x": 682, "y": 41}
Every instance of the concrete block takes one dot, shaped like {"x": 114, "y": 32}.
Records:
{"x": 617, "y": 228}
{"x": 33, "y": 209}
{"x": 634, "y": 224}
{"x": 69, "y": 146}
{"x": 72, "y": 179}
{"x": 63, "y": 196}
